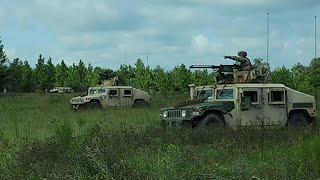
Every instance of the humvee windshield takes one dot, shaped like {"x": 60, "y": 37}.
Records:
{"x": 96, "y": 91}
{"x": 205, "y": 94}
{"x": 225, "y": 94}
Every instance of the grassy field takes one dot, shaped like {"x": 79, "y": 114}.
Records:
{"x": 41, "y": 137}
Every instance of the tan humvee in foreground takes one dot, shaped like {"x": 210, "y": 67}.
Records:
{"x": 111, "y": 96}
{"x": 243, "y": 105}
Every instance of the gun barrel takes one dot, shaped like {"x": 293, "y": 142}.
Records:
{"x": 204, "y": 66}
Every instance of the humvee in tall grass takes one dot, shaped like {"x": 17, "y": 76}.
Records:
{"x": 111, "y": 96}
{"x": 242, "y": 105}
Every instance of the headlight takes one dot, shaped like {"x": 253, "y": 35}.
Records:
{"x": 183, "y": 113}
{"x": 165, "y": 114}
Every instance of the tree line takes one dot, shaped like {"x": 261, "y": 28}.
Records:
{"x": 18, "y": 76}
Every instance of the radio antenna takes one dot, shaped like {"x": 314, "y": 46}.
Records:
{"x": 315, "y": 36}
{"x": 267, "y": 37}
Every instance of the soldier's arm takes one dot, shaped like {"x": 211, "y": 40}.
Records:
{"x": 235, "y": 58}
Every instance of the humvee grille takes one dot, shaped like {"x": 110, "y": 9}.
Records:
{"x": 174, "y": 114}
{"x": 76, "y": 100}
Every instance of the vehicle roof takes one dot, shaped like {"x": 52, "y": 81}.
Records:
{"x": 204, "y": 87}
{"x": 253, "y": 85}
{"x": 121, "y": 87}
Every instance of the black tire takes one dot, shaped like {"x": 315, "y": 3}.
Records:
{"x": 81, "y": 107}
{"x": 164, "y": 124}
{"x": 139, "y": 104}
{"x": 298, "y": 120}
{"x": 212, "y": 120}
{"x": 93, "y": 105}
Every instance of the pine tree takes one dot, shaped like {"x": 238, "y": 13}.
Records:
{"x": 62, "y": 74}
{"x": 50, "y": 72}
{"x": 41, "y": 74}
{"x": 3, "y": 61}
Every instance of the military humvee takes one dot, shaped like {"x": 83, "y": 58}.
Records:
{"x": 61, "y": 90}
{"x": 242, "y": 105}
{"x": 111, "y": 96}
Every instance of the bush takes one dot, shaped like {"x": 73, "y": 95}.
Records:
{"x": 64, "y": 131}
{"x": 308, "y": 157}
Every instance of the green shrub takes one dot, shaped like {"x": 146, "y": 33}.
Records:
{"x": 308, "y": 156}
{"x": 64, "y": 131}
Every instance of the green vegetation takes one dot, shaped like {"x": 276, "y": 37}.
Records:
{"x": 18, "y": 76}
{"x": 41, "y": 137}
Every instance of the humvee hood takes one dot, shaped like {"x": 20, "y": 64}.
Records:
{"x": 225, "y": 106}
{"x": 82, "y": 99}
{"x": 190, "y": 102}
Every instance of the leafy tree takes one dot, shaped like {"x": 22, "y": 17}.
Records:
{"x": 283, "y": 76}
{"x": 181, "y": 78}
{"x": 92, "y": 78}
{"x": 126, "y": 74}
{"x": 142, "y": 75}
{"x": 77, "y": 76}
{"x": 202, "y": 77}
{"x": 314, "y": 72}
{"x": 300, "y": 78}
{"x": 160, "y": 79}
{"x": 314, "y": 75}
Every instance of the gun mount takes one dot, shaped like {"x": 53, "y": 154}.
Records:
{"x": 225, "y": 72}
{"x": 258, "y": 73}
{"x": 108, "y": 79}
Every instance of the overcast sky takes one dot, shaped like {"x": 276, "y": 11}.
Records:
{"x": 112, "y": 32}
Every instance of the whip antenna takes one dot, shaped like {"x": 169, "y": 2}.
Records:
{"x": 315, "y": 36}
{"x": 267, "y": 37}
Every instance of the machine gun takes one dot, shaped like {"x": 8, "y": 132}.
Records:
{"x": 225, "y": 72}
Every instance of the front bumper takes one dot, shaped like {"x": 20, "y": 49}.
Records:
{"x": 178, "y": 120}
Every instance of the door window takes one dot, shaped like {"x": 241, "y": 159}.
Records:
{"x": 113, "y": 92}
{"x": 252, "y": 95}
{"x": 276, "y": 97}
{"x": 102, "y": 91}
{"x": 127, "y": 92}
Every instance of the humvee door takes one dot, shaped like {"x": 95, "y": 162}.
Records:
{"x": 113, "y": 98}
{"x": 275, "y": 110}
{"x": 126, "y": 98}
{"x": 250, "y": 111}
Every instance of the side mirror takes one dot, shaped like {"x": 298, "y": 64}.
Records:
{"x": 245, "y": 103}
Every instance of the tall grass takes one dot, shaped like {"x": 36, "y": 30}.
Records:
{"x": 41, "y": 137}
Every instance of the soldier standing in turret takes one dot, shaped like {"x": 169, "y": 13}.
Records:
{"x": 245, "y": 64}
{"x": 243, "y": 74}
